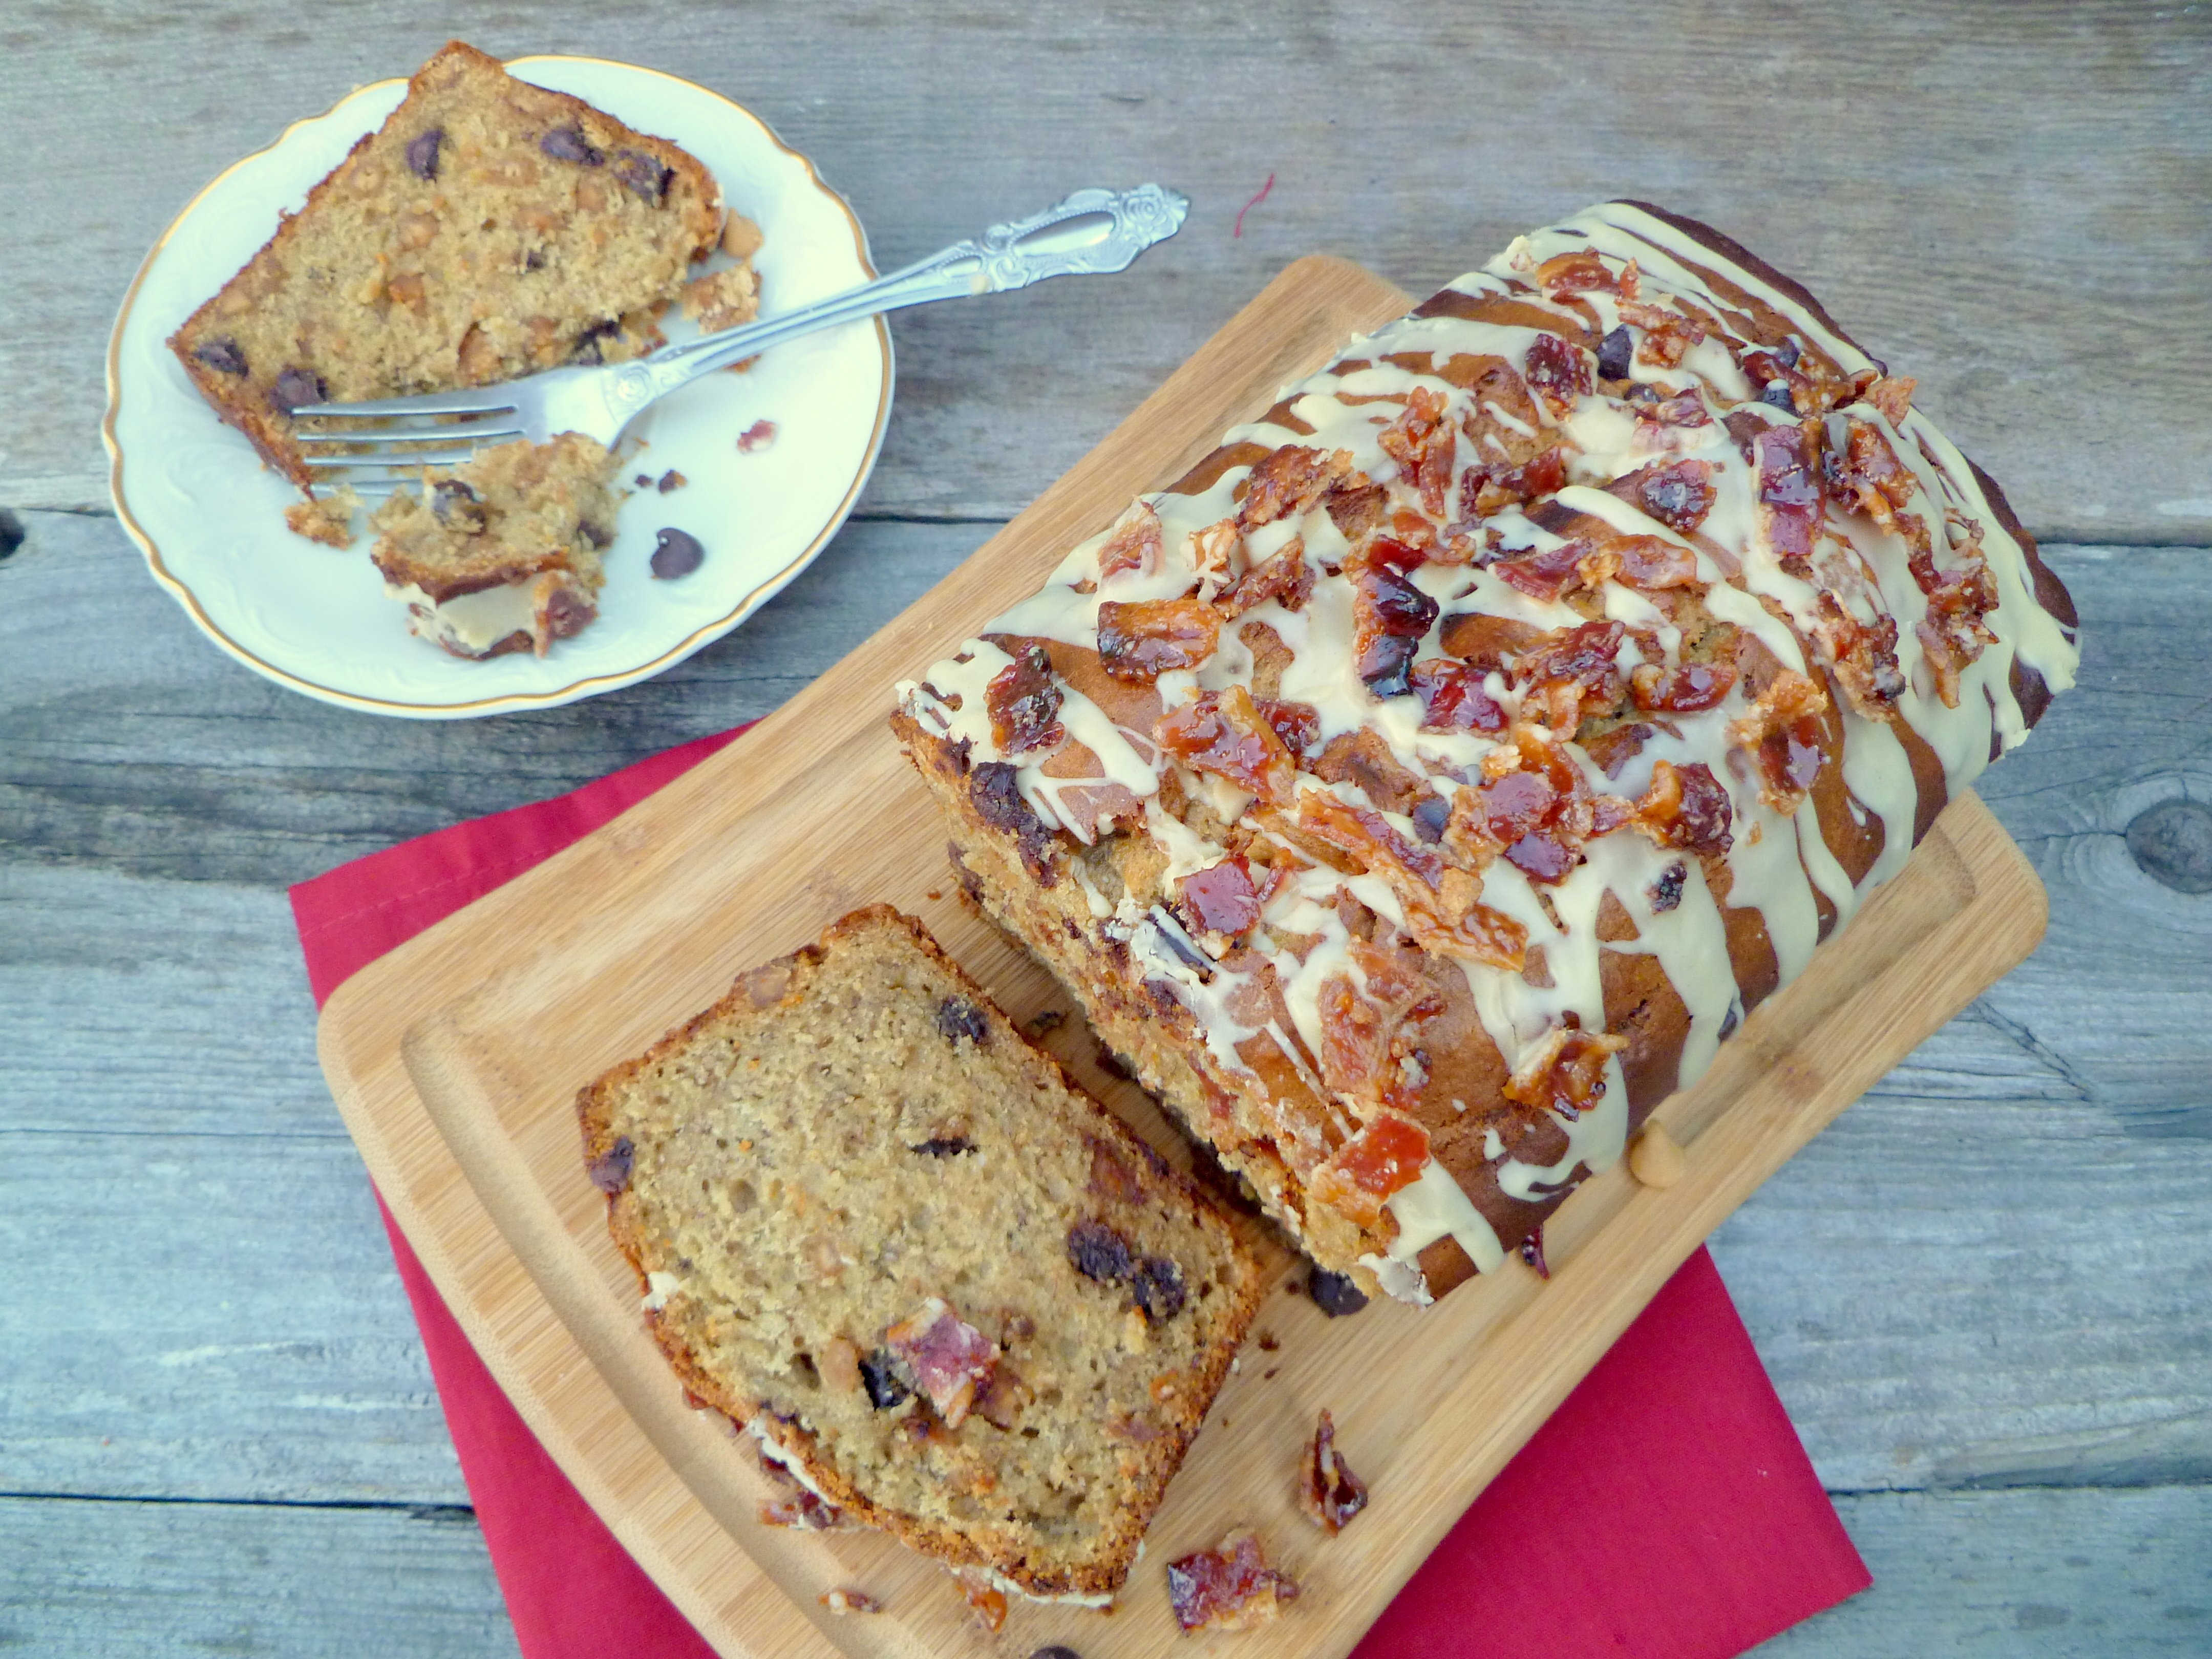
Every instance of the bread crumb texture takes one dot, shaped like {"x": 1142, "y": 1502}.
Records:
{"x": 974, "y": 1306}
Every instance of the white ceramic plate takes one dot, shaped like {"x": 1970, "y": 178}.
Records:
{"x": 211, "y": 518}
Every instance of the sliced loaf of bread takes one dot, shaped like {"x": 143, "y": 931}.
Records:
{"x": 953, "y": 1292}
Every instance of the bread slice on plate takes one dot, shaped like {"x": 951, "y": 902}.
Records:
{"x": 948, "y": 1290}
{"x": 501, "y": 553}
{"x": 490, "y": 228}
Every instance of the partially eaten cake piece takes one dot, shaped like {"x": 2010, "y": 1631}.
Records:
{"x": 501, "y": 553}
{"x": 955, "y": 1295}
{"x": 490, "y": 228}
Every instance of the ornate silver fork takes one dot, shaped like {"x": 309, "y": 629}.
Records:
{"x": 1092, "y": 233}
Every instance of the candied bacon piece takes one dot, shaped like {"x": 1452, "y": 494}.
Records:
{"x": 1863, "y": 655}
{"x": 1223, "y": 733}
{"x": 1568, "y": 666}
{"x": 1485, "y": 642}
{"x": 1422, "y": 441}
{"x": 1328, "y": 1491}
{"x": 1483, "y": 490}
{"x": 1785, "y": 732}
{"x": 1024, "y": 702}
{"x": 1389, "y": 616}
{"x": 1133, "y": 543}
{"x": 1582, "y": 272}
{"x": 1566, "y": 1074}
{"x": 1687, "y": 806}
{"x": 1779, "y": 383}
{"x": 1400, "y": 558}
{"x": 950, "y": 1359}
{"x": 1384, "y": 1157}
{"x": 1453, "y": 698}
{"x": 987, "y": 1601}
{"x": 1297, "y": 724}
{"x": 1545, "y": 574}
{"x": 1652, "y": 562}
{"x": 1686, "y": 688}
{"x": 1893, "y": 396}
{"x": 1666, "y": 334}
{"x": 1790, "y": 498}
{"x": 1229, "y": 1587}
{"x": 1222, "y": 898}
{"x": 1679, "y": 495}
{"x": 1657, "y": 420}
{"x": 1439, "y": 900}
{"x": 1286, "y": 482}
{"x": 1559, "y": 371}
{"x": 1140, "y": 641}
{"x": 1286, "y": 576}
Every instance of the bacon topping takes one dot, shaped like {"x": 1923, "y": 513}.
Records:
{"x": 1328, "y": 1491}
{"x": 1790, "y": 498}
{"x": 1135, "y": 543}
{"x": 1141, "y": 641}
{"x": 1652, "y": 562}
{"x": 1286, "y": 482}
{"x": 1229, "y": 1587}
{"x": 1421, "y": 441}
{"x": 1286, "y": 576}
{"x": 1559, "y": 372}
{"x": 1384, "y": 1157}
{"x": 1687, "y": 807}
{"x": 1483, "y": 490}
{"x": 1666, "y": 334}
{"x": 1224, "y": 733}
{"x": 1566, "y": 1074}
{"x": 1297, "y": 724}
{"x": 1545, "y": 574}
{"x": 1678, "y": 496}
{"x": 1439, "y": 900}
{"x": 1583, "y": 272}
{"x": 1023, "y": 702}
{"x": 1784, "y": 732}
{"x": 950, "y": 1359}
{"x": 1222, "y": 898}
{"x": 1389, "y": 616}
{"x": 1570, "y": 666}
{"x": 1453, "y": 698}
{"x": 1686, "y": 689}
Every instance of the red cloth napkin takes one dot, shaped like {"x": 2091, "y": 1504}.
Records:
{"x": 1667, "y": 1510}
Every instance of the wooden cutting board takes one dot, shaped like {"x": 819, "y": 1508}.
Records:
{"x": 456, "y": 1058}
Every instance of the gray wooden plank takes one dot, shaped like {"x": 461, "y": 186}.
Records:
{"x": 206, "y": 1316}
{"x": 167, "y": 759}
{"x": 2022, "y": 1575}
{"x": 2004, "y": 199}
{"x": 87, "y": 1580}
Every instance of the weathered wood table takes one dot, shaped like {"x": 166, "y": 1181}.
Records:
{"x": 1985, "y": 1294}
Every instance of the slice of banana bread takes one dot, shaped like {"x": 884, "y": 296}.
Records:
{"x": 501, "y": 553}
{"x": 489, "y": 228}
{"x": 949, "y": 1289}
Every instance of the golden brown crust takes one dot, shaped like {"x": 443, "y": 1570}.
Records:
{"x": 785, "y": 980}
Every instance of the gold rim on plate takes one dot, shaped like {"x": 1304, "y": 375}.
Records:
{"x": 507, "y": 701}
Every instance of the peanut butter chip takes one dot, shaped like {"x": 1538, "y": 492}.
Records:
{"x": 1656, "y": 1160}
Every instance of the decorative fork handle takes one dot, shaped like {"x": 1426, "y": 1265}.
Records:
{"x": 1092, "y": 233}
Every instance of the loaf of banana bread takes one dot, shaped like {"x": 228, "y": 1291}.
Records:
{"x": 954, "y": 1294}
{"x": 1421, "y": 789}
